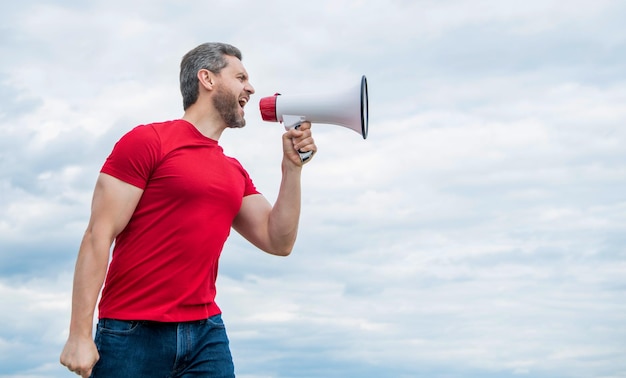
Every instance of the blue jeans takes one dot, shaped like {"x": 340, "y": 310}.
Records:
{"x": 137, "y": 349}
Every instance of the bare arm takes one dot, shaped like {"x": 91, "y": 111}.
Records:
{"x": 114, "y": 202}
{"x": 273, "y": 229}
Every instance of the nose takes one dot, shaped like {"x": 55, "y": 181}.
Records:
{"x": 249, "y": 88}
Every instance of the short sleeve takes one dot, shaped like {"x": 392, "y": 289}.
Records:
{"x": 249, "y": 184}
{"x": 250, "y": 188}
{"x": 134, "y": 156}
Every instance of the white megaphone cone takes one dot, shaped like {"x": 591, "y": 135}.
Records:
{"x": 348, "y": 108}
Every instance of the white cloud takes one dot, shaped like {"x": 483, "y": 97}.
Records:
{"x": 35, "y": 325}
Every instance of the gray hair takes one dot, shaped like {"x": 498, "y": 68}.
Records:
{"x": 209, "y": 56}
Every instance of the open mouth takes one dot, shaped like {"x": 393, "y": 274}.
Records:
{"x": 243, "y": 101}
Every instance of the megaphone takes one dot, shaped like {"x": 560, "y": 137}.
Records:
{"x": 348, "y": 108}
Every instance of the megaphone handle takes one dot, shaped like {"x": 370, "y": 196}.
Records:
{"x": 304, "y": 155}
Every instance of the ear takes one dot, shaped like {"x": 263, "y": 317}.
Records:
{"x": 206, "y": 79}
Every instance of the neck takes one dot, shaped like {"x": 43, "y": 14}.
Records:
{"x": 208, "y": 123}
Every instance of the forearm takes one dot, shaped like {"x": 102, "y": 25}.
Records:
{"x": 285, "y": 214}
{"x": 90, "y": 270}
{"x": 273, "y": 229}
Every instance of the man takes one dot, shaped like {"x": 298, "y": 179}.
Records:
{"x": 168, "y": 197}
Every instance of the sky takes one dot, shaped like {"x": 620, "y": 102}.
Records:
{"x": 479, "y": 230}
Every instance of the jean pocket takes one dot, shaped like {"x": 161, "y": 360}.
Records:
{"x": 117, "y": 327}
{"x": 216, "y": 321}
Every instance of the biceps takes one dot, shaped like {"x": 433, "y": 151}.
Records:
{"x": 252, "y": 220}
{"x": 114, "y": 202}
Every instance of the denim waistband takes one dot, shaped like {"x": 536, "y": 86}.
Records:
{"x": 103, "y": 321}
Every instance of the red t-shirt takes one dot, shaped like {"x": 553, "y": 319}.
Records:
{"x": 164, "y": 263}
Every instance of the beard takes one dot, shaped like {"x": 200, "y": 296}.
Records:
{"x": 227, "y": 105}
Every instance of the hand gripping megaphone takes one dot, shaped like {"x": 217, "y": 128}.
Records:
{"x": 348, "y": 108}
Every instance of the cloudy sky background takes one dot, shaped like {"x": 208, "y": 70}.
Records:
{"x": 479, "y": 231}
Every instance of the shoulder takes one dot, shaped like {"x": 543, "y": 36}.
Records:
{"x": 237, "y": 165}
{"x": 156, "y": 134}
{"x": 156, "y": 129}
{"x": 250, "y": 188}
{"x": 141, "y": 133}
{"x": 234, "y": 162}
